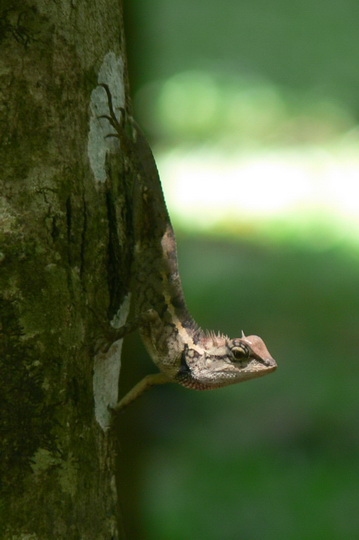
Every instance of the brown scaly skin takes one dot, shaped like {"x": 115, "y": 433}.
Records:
{"x": 182, "y": 351}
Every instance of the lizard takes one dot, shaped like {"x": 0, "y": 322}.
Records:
{"x": 182, "y": 351}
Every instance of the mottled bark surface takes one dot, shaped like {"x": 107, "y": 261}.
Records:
{"x": 64, "y": 266}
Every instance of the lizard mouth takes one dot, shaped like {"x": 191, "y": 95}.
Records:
{"x": 254, "y": 359}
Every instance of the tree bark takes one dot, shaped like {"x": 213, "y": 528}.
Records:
{"x": 65, "y": 254}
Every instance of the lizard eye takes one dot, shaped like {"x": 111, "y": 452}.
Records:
{"x": 240, "y": 352}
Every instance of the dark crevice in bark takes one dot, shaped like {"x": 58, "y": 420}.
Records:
{"x": 83, "y": 238}
{"x": 69, "y": 227}
{"x": 115, "y": 283}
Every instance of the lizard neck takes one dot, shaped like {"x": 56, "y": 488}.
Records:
{"x": 157, "y": 281}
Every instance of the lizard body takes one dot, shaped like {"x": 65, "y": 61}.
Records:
{"x": 183, "y": 352}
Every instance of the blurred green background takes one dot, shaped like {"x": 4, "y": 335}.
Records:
{"x": 234, "y": 83}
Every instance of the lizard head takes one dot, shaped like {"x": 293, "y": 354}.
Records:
{"x": 251, "y": 354}
{"x": 223, "y": 361}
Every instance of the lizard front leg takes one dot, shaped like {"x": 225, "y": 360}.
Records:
{"x": 139, "y": 388}
{"x": 148, "y": 317}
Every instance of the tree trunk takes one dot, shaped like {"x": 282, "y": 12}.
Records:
{"x": 65, "y": 249}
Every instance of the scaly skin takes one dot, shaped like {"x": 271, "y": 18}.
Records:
{"x": 183, "y": 352}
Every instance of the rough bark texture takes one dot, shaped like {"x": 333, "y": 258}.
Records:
{"x": 65, "y": 244}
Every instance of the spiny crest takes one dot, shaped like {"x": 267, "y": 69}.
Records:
{"x": 217, "y": 338}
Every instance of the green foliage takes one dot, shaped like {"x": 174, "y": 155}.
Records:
{"x": 299, "y": 46}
